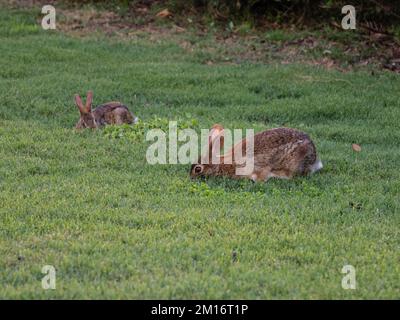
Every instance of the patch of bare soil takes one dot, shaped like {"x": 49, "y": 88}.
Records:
{"x": 375, "y": 47}
{"x": 26, "y": 3}
{"x": 85, "y": 22}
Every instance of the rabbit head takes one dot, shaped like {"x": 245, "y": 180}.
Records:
{"x": 206, "y": 166}
{"x": 87, "y": 119}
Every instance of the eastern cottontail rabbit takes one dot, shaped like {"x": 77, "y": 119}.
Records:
{"x": 279, "y": 152}
{"x": 107, "y": 113}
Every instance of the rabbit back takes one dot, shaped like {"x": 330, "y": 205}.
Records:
{"x": 284, "y": 152}
{"x": 113, "y": 113}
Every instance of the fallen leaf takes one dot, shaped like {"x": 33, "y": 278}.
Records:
{"x": 356, "y": 147}
{"x": 164, "y": 13}
{"x": 179, "y": 29}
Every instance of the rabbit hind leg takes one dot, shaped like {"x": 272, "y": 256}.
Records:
{"x": 122, "y": 116}
{"x": 261, "y": 175}
{"x": 109, "y": 118}
{"x": 281, "y": 174}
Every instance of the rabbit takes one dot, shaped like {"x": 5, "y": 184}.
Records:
{"x": 107, "y": 113}
{"x": 278, "y": 153}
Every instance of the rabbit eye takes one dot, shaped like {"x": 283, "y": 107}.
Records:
{"x": 198, "y": 169}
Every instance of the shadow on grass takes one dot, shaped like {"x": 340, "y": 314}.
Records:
{"x": 313, "y": 185}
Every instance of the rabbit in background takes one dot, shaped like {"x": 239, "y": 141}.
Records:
{"x": 107, "y": 113}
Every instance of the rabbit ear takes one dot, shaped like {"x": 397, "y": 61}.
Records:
{"x": 79, "y": 104}
{"x": 89, "y": 99}
{"x": 215, "y": 141}
{"x": 217, "y": 132}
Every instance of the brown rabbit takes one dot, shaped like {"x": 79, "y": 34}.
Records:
{"x": 279, "y": 152}
{"x": 108, "y": 113}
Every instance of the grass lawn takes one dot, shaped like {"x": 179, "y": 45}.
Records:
{"x": 115, "y": 227}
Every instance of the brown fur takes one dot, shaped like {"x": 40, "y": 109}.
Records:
{"x": 109, "y": 113}
{"x": 279, "y": 152}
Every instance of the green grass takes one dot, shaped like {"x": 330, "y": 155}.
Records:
{"x": 116, "y": 227}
